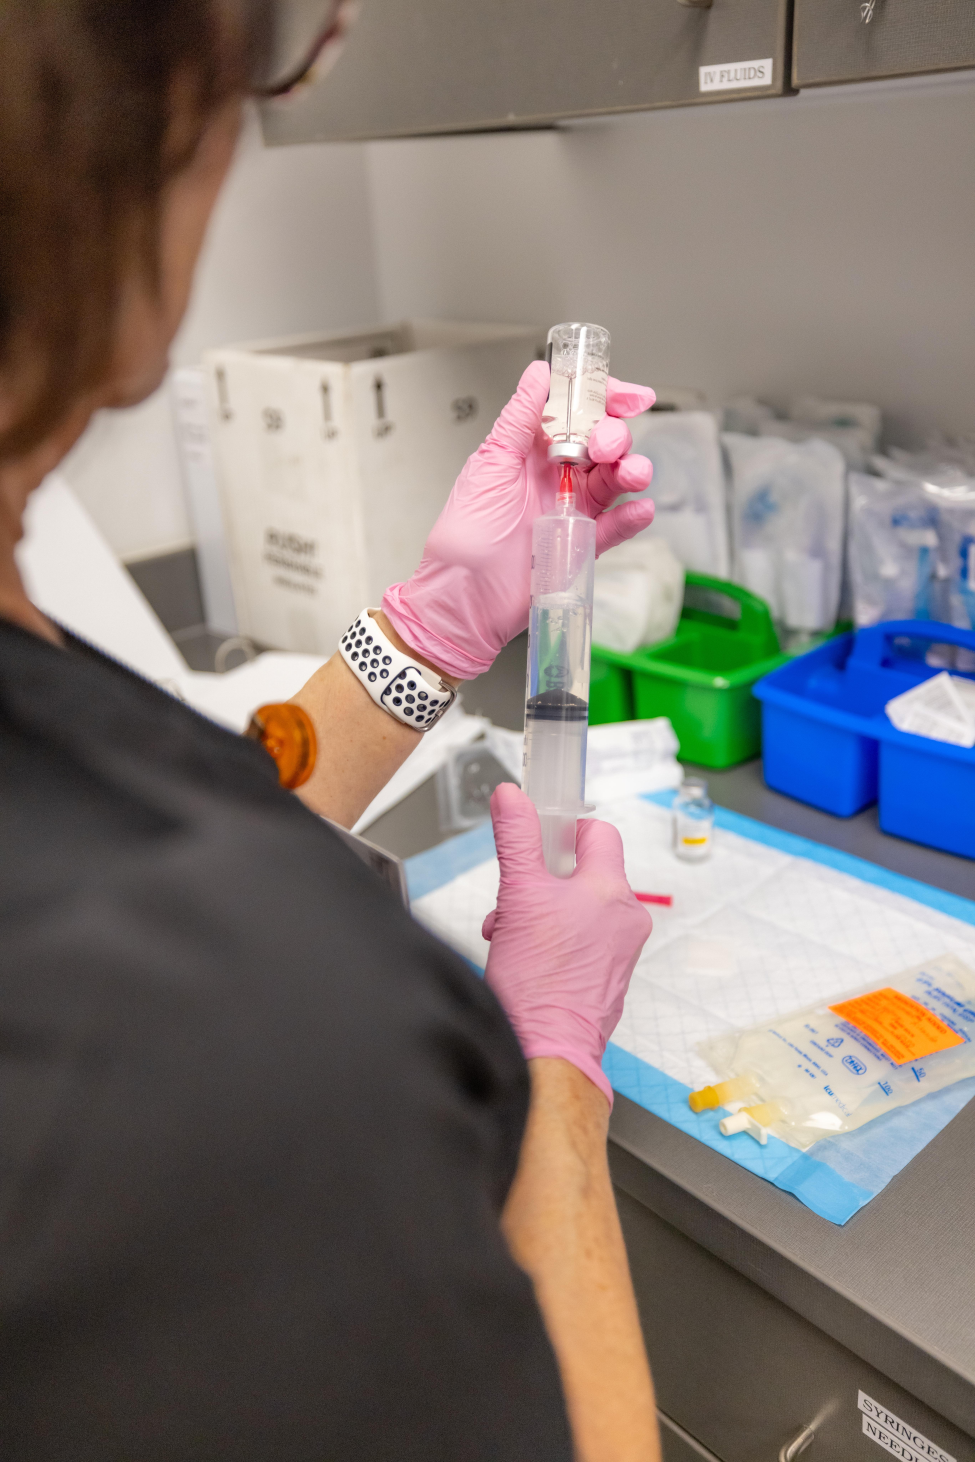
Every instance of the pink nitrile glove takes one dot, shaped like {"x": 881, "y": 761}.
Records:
{"x": 562, "y": 949}
{"x": 469, "y": 597}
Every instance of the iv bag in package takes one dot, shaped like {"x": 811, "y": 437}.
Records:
{"x": 832, "y": 1067}
{"x": 788, "y": 509}
{"x": 817, "y": 411}
{"x": 893, "y": 550}
{"x": 950, "y": 490}
{"x": 853, "y": 442}
{"x": 958, "y": 555}
{"x": 688, "y": 487}
{"x": 638, "y": 593}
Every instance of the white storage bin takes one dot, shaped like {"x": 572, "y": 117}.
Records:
{"x": 334, "y": 455}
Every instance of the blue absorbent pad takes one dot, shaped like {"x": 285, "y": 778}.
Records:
{"x": 771, "y": 923}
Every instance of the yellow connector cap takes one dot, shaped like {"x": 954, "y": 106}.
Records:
{"x": 722, "y": 1093}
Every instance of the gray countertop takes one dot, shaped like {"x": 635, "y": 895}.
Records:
{"x": 896, "y": 1284}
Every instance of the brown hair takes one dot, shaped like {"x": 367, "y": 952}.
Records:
{"x": 89, "y": 136}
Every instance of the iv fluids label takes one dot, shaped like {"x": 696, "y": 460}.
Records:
{"x": 903, "y": 1029}
{"x": 735, "y": 76}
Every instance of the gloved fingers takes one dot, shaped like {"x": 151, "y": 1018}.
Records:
{"x": 609, "y": 440}
{"x": 607, "y": 480}
{"x": 599, "y": 849}
{"x": 515, "y": 428}
{"x": 618, "y": 524}
{"x": 517, "y": 833}
{"x": 487, "y": 928}
{"x": 625, "y": 399}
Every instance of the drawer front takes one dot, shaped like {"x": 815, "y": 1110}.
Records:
{"x": 832, "y": 42}
{"x": 425, "y": 66}
{"x": 742, "y": 1373}
{"x": 677, "y": 1446}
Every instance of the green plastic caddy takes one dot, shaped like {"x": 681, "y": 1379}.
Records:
{"x": 701, "y": 678}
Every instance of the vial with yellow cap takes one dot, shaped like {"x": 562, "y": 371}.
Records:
{"x": 693, "y": 815}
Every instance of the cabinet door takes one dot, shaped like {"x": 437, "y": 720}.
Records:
{"x": 411, "y": 67}
{"x": 858, "y": 40}
{"x": 743, "y": 1377}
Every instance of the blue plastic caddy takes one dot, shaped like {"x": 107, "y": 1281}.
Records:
{"x": 826, "y": 738}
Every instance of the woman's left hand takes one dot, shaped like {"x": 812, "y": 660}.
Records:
{"x": 469, "y": 596}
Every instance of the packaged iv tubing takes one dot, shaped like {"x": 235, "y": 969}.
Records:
{"x": 560, "y": 620}
{"x": 830, "y": 1068}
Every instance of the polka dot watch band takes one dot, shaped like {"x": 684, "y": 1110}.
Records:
{"x": 414, "y": 695}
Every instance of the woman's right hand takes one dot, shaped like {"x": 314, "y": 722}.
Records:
{"x": 562, "y": 949}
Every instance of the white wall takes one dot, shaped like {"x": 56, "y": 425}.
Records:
{"x": 290, "y": 249}
{"x": 822, "y": 243}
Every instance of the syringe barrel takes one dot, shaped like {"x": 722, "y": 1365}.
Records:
{"x": 557, "y": 699}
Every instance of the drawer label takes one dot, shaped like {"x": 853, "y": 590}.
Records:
{"x": 896, "y": 1436}
{"x": 735, "y": 76}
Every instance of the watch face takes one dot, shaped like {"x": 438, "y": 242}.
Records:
{"x": 410, "y": 698}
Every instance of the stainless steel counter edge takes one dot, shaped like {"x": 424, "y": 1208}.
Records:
{"x": 769, "y": 1237}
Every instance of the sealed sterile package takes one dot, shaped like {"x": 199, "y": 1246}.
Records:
{"x": 788, "y": 511}
{"x": 950, "y": 490}
{"x": 688, "y": 487}
{"x": 840, "y": 415}
{"x": 746, "y": 414}
{"x": 854, "y": 442}
{"x": 638, "y": 594}
{"x": 957, "y": 538}
{"x": 893, "y": 550}
{"x": 941, "y": 708}
{"x": 832, "y": 1067}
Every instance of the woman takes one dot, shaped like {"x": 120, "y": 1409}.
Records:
{"x": 269, "y": 1182}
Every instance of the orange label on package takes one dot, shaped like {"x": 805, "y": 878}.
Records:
{"x": 903, "y": 1029}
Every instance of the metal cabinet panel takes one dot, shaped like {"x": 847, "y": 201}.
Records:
{"x": 856, "y": 40}
{"x": 677, "y": 1446}
{"x": 742, "y": 1373}
{"x": 411, "y": 67}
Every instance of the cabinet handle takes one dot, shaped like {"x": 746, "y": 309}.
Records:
{"x": 797, "y": 1446}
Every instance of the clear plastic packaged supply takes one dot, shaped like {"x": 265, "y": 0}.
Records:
{"x": 832, "y": 1067}
{"x": 639, "y": 591}
{"x": 893, "y": 550}
{"x": 688, "y": 487}
{"x": 788, "y": 511}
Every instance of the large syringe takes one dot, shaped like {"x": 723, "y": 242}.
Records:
{"x": 560, "y": 620}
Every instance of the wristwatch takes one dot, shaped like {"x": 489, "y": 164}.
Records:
{"x": 407, "y": 690}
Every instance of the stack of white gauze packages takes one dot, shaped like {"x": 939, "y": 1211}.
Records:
{"x": 892, "y": 550}
{"x": 853, "y": 427}
{"x": 688, "y": 487}
{"x": 832, "y": 1067}
{"x": 637, "y": 595}
{"x": 788, "y": 512}
{"x": 941, "y": 708}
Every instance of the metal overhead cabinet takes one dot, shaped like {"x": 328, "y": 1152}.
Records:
{"x": 862, "y": 40}
{"x": 414, "y": 67}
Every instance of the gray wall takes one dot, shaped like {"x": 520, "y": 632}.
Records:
{"x": 821, "y": 243}
{"x": 289, "y": 249}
